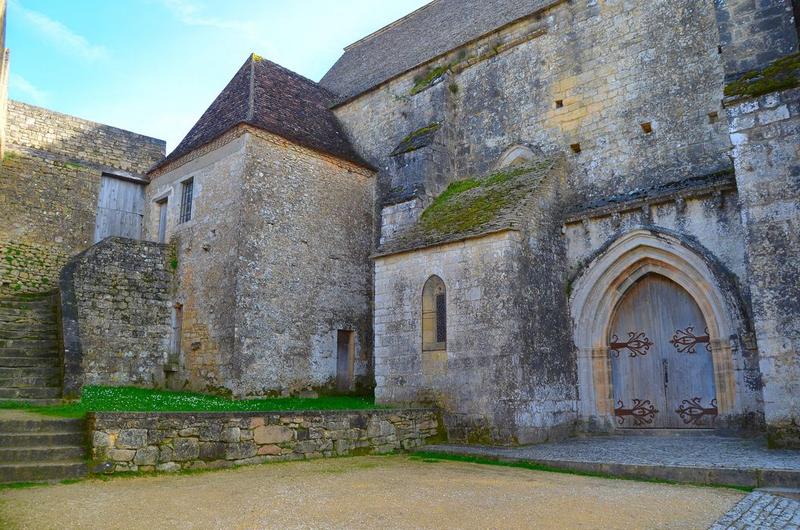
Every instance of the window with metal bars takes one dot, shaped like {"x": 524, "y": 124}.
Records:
{"x": 434, "y": 315}
{"x": 187, "y": 190}
{"x": 441, "y": 318}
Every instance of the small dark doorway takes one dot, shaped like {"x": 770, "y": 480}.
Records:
{"x": 345, "y": 349}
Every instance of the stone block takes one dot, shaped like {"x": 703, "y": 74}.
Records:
{"x": 169, "y": 467}
{"x": 269, "y": 450}
{"x": 212, "y": 450}
{"x": 231, "y": 435}
{"x": 121, "y": 455}
{"x": 100, "y": 439}
{"x": 238, "y": 451}
{"x": 131, "y": 439}
{"x": 146, "y": 456}
{"x": 272, "y": 434}
{"x": 184, "y": 449}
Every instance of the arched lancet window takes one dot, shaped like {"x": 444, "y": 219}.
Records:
{"x": 516, "y": 155}
{"x": 434, "y": 315}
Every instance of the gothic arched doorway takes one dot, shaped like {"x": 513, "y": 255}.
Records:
{"x": 662, "y": 370}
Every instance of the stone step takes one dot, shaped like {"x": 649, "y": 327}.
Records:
{"x": 30, "y": 361}
{"x": 28, "y": 334}
{"x": 28, "y": 423}
{"x": 42, "y": 304}
{"x": 28, "y": 371}
{"x": 29, "y": 343}
{"x": 42, "y": 472}
{"x": 21, "y": 351}
{"x": 38, "y": 439}
{"x": 56, "y": 453}
{"x": 26, "y": 322}
{"x": 30, "y": 393}
{"x": 33, "y": 402}
{"x": 30, "y": 381}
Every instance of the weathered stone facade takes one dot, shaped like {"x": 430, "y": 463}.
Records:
{"x": 116, "y": 318}
{"x": 174, "y": 441}
{"x": 570, "y": 149}
{"x": 766, "y": 134}
{"x": 273, "y": 262}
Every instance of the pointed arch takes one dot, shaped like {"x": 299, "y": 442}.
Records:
{"x": 434, "y": 315}
{"x": 604, "y": 282}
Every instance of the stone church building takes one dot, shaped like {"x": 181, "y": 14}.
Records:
{"x": 545, "y": 217}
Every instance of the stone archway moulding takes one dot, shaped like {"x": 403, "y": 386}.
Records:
{"x": 600, "y": 288}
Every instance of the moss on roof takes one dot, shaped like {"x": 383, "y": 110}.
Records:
{"x": 779, "y": 75}
{"x": 472, "y": 207}
{"x": 416, "y": 139}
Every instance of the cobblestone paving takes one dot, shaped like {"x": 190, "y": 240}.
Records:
{"x": 761, "y": 511}
{"x": 669, "y": 450}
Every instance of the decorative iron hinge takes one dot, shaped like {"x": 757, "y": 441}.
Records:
{"x": 642, "y": 412}
{"x": 685, "y": 340}
{"x": 637, "y": 344}
{"x": 691, "y": 411}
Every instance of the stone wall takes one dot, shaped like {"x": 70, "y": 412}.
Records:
{"x": 766, "y": 134}
{"x": 82, "y": 140}
{"x": 479, "y": 385}
{"x": 173, "y": 441}
{"x": 50, "y": 181}
{"x": 304, "y": 269}
{"x": 29, "y": 268}
{"x": 206, "y": 261}
{"x": 752, "y": 34}
{"x": 273, "y": 262}
{"x": 116, "y": 315}
{"x": 581, "y": 73}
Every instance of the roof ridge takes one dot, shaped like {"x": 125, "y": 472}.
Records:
{"x": 251, "y": 97}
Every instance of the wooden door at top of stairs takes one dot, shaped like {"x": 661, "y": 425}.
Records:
{"x": 662, "y": 372}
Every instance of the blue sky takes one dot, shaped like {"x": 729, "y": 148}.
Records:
{"x": 153, "y": 66}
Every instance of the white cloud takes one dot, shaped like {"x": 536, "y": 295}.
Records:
{"x": 189, "y": 13}
{"x": 25, "y": 87}
{"x": 59, "y": 34}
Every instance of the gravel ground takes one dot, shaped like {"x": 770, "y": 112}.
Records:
{"x": 365, "y": 492}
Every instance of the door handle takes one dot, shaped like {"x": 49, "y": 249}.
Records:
{"x": 665, "y": 365}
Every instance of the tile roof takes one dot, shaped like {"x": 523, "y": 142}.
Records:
{"x": 474, "y": 207}
{"x": 266, "y": 95}
{"x": 424, "y": 34}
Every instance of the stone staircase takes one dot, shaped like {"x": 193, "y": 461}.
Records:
{"x": 35, "y": 448}
{"x": 30, "y": 358}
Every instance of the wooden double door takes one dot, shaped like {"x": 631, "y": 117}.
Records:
{"x": 662, "y": 371}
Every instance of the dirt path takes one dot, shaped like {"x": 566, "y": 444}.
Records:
{"x": 366, "y": 492}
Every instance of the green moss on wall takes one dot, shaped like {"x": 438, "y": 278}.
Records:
{"x": 468, "y": 204}
{"x": 780, "y": 75}
{"x": 428, "y": 78}
{"x": 416, "y": 139}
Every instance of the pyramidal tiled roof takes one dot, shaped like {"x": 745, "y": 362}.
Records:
{"x": 268, "y": 96}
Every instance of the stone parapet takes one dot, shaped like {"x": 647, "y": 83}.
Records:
{"x": 148, "y": 441}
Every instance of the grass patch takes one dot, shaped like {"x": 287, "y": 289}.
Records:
{"x": 780, "y": 75}
{"x": 455, "y": 210}
{"x": 129, "y": 399}
{"x": 431, "y": 457}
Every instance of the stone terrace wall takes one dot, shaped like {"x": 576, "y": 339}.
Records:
{"x": 766, "y": 134}
{"x": 173, "y": 441}
{"x": 116, "y": 314}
